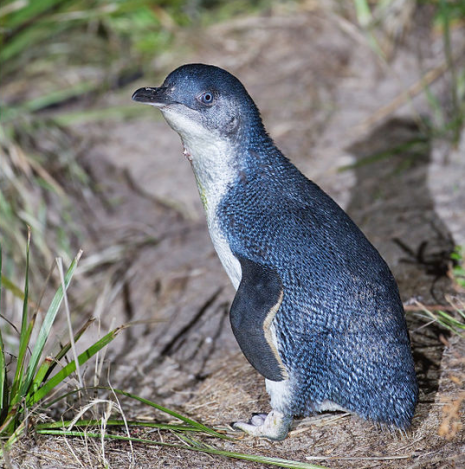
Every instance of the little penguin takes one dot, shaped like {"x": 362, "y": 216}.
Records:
{"x": 317, "y": 311}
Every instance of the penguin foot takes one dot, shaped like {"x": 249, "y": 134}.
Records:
{"x": 274, "y": 426}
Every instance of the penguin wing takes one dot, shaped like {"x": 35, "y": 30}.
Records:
{"x": 257, "y": 301}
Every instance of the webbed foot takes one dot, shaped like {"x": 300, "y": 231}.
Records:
{"x": 274, "y": 426}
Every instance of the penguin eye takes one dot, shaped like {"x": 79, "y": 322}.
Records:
{"x": 206, "y": 98}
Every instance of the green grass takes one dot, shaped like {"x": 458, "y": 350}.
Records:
{"x": 458, "y": 267}
{"x": 454, "y": 321}
{"x": 30, "y": 377}
{"x": 415, "y": 147}
{"x": 452, "y": 318}
{"x": 94, "y": 44}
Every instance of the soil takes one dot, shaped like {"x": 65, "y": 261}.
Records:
{"x": 330, "y": 103}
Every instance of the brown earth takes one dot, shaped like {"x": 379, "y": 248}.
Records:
{"x": 329, "y": 102}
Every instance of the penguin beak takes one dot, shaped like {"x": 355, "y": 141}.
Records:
{"x": 157, "y": 97}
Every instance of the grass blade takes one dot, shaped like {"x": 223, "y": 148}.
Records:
{"x": 59, "y": 261}
{"x": 24, "y": 333}
{"x": 174, "y": 414}
{"x": 11, "y": 286}
{"x": 415, "y": 145}
{"x": 193, "y": 424}
{"x": 44, "y": 332}
{"x": 3, "y": 383}
{"x": 41, "y": 373}
{"x": 93, "y": 115}
{"x": 117, "y": 423}
{"x": 71, "y": 367}
{"x": 47, "y": 100}
{"x": 229, "y": 454}
{"x": 445, "y": 319}
{"x": 67, "y": 347}
{"x": 31, "y": 11}
{"x": 363, "y": 12}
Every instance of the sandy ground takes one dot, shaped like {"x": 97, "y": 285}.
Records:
{"x": 329, "y": 102}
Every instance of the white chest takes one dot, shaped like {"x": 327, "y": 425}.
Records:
{"x": 214, "y": 176}
{"x": 211, "y": 191}
{"x": 214, "y": 166}
{"x": 229, "y": 261}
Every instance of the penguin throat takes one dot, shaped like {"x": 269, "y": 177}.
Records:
{"x": 215, "y": 169}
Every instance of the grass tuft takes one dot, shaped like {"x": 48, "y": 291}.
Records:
{"x": 458, "y": 267}
{"x": 27, "y": 380}
{"x": 453, "y": 320}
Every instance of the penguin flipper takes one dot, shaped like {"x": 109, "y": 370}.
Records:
{"x": 257, "y": 301}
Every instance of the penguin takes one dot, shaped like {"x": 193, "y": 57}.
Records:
{"x": 317, "y": 311}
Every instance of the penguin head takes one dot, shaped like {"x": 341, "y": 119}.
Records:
{"x": 203, "y": 103}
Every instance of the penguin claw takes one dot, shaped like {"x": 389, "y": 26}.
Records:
{"x": 258, "y": 419}
{"x": 274, "y": 426}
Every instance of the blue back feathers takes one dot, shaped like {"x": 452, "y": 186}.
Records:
{"x": 341, "y": 326}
